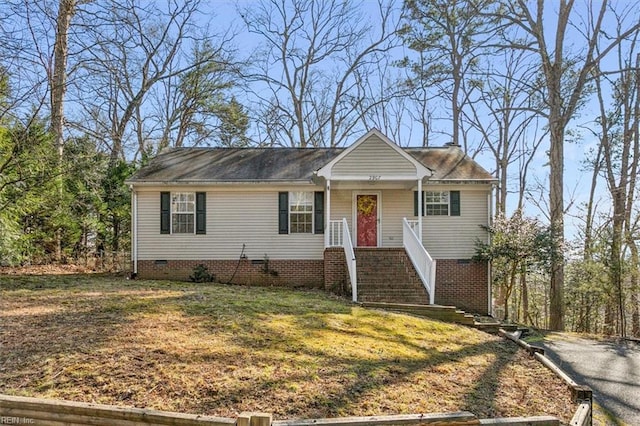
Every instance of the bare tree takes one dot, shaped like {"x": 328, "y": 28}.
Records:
{"x": 619, "y": 127}
{"x": 450, "y": 37}
{"x": 35, "y": 49}
{"x": 565, "y": 77}
{"x": 129, "y": 49}
{"x": 388, "y": 101}
{"x": 418, "y": 91}
{"x": 306, "y": 69}
{"x": 189, "y": 105}
{"x": 505, "y": 115}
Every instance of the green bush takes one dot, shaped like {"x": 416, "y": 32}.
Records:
{"x": 201, "y": 274}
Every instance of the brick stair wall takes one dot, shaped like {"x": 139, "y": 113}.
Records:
{"x": 387, "y": 275}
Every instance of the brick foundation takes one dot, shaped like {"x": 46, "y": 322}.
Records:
{"x": 336, "y": 275}
{"x": 283, "y": 273}
{"x": 462, "y": 283}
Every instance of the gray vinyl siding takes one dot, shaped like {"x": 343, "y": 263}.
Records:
{"x": 341, "y": 201}
{"x": 365, "y": 160}
{"x": 396, "y": 205}
{"x": 237, "y": 216}
{"x": 233, "y": 218}
{"x": 444, "y": 237}
{"x": 454, "y": 237}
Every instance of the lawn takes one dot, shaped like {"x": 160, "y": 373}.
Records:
{"x": 220, "y": 350}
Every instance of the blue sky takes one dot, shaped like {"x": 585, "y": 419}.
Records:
{"x": 577, "y": 180}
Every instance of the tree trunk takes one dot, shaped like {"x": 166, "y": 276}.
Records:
{"x": 115, "y": 245}
{"x": 58, "y": 83}
{"x": 635, "y": 301}
{"x": 616, "y": 261}
{"x": 588, "y": 226}
{"x": 556, "y": 203}
{"x": 526, "y": 315}
{"x": 635, "y": 314}
{"x": 510, "y": 283}
{"x": 608, "y": 319}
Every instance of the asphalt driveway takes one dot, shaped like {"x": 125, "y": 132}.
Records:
{"x": 610, "y": 367}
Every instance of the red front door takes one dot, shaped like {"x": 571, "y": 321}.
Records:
{"x": 367, "y": 220}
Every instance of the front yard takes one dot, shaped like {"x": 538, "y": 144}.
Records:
{"x": 221, "y": 350}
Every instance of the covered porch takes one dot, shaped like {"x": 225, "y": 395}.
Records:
{"x": 374, "y": 200}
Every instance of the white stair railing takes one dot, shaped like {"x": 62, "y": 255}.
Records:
{"x": 351, "y": 259}
{"x": 423, "y": 262}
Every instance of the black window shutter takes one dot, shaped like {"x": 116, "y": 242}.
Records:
{"x": 283, "y": 212}
{"x": 318, "y": 212}
{"x": 165, "y": 212}
{"x": 454, "y": 203}
{"x": 201, "y": 212}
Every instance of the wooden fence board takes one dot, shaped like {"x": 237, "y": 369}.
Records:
{"x": 522, "y": 421}
{"x": 459, "y": 418}
{"x": 67, "y": 412}
{"x": 582, "y": 417}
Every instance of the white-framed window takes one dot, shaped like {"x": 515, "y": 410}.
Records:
{"x": 183, "y": 212}
{"x": 436, "y": 203}
{"x": 301, "y": 212}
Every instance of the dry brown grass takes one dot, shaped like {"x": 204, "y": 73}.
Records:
{"x": 221, "y": 350}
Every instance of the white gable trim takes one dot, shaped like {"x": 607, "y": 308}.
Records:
{"x": 421, "y": 171}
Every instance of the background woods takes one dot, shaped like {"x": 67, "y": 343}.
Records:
{"x": 546, "y": 94}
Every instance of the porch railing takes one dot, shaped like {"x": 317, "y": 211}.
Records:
{"x": 423, "y": 262}
{"x": 414, "y": 225}
{"x": 335, "y": 233}
{"x": 351, "y": 259}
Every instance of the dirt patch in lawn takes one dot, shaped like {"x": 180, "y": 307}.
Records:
{"x": 221, "y": 350}
{"x": 50, "y": 269}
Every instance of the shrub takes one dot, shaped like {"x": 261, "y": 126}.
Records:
{"x": 201, "y": 274}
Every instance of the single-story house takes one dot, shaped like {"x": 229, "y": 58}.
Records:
{"x": 375, "y": 220}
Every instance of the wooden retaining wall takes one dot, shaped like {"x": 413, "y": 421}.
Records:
{"x": 16, "y": 410}
{"x": 583, "y": 395}
{"x": 19, "y": 410}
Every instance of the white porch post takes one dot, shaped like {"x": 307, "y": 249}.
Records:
{"x": 327, "y": 215}
{"x": 420, "y": 207}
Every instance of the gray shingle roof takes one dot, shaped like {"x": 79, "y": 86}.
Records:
{"x": 450, "y": 163}
{"x": 219, "y": 165}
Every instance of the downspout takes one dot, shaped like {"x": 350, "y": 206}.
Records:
{"x": 490, "y": 269}
{"x": 134, "y": 229}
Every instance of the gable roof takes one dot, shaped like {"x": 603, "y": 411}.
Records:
{"x": 286, "y": 165}
{"x": 450, "y": 164}
{"x": 392, "y": 150}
